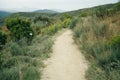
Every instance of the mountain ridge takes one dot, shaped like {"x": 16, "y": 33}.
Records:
{"x": 46, "y": 11}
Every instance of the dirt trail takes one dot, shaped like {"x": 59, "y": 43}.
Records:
{"x": 66, "y": 62}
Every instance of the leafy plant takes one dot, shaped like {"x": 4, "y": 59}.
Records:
{"x": 73, "y": 23}
{"x": 19, "y": 29}
{"x": 83, "y": 14}
{"x": 101, "y": 12}
{"x": 115, "y": 42}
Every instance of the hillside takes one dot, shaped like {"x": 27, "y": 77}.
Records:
{"x": 90, "y": 10}
{"x": 28, "y": 39}
{"x": 4, "y": 13}
{"x": 46, "y": 11}
{"x": 98, "y": 35}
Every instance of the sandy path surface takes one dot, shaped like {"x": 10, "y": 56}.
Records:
{"x": 66, "y": 62}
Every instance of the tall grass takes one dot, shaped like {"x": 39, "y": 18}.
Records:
{"x": 99, "y": 40}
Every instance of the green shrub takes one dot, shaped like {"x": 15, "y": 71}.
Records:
{"x": 20, "y": 73}
{"x": 19, "y": 29}
{"x": 101, "y": 12}
{"x": 66, "y": 23}
{"x": 30, "y": 73}
{"x": 83, "y": 14}
{"x": 115, "y": 42}
{"x": 113, "y": 46}
{"x": 97, "y": 73}
{"x": 66, "y": 16}
{"x": 11, "y": 62}
{"x": 45, "y": 19}
{"x": 73, "y": 23}
{"x": 16, "y": 50}
{"x": 76, "y": 32}
{"x": 3, "y": 39}
{"x": 45, "y": 44}
{"x": 9, "y": 74}
{"x": 80, "y": 31}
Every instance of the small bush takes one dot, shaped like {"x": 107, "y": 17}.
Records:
{"x": 16, "y": 50}
{"x": 80, "y": 31}
{"x": 9, "y": 74}
{"x": 97, "y": 73}
{"x": 3, "y": 40}
{"x": 101, "y": 12}
{"x": 66, "y": 23}
{"x": 66, "y": 16}
{"x": 83, "y": 14}
{"x": 115, "y": 42}
{"x": 73, "y": 23}
{"x": 30, "y": 73}
{"x": 99, "y": 30}
{"x": 114, "y": 48}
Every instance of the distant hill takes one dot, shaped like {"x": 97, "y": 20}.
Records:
{"x": 79, "y": 11}
{"x": 4, "y": 13}
{"x": 46, "y": 11}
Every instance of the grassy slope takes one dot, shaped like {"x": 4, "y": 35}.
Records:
{"x": 98, "y": 37}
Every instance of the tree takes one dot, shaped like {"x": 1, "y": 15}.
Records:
{"x": 19, "y": 28}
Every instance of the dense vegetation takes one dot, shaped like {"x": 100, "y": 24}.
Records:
{"x": 98, "y": 36}
{"x": 25, "y": 41}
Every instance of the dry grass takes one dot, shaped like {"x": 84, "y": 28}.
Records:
{"x": 93, "y": 36}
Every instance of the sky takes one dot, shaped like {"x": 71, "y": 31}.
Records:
{"x": 65, "y": 5}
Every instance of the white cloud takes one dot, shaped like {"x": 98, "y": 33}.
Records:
{"x": 51, "y": 4}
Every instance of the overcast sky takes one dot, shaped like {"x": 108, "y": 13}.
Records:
{"x": 65, "y": 5}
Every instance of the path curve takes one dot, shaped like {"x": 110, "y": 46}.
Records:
{"x": 66, "y": 62}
